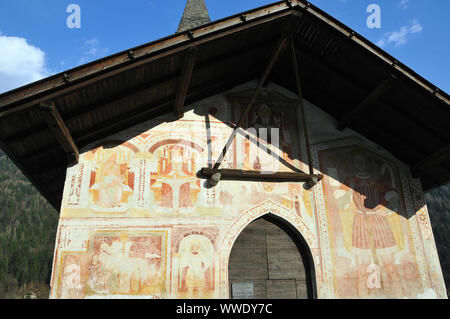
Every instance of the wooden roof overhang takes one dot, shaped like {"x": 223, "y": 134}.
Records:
{"x": 46, "y": 122}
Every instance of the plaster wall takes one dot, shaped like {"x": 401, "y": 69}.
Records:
{"x": 137, "y": 222}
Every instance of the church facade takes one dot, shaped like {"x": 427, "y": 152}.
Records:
{"x": 137, "y": 221}
{"x": 271, "y": 154}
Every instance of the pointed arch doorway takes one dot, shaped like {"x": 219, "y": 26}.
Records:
{"x": 271, "y": 260}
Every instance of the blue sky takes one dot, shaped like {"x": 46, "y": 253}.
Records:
{"x": 35, "y": 41}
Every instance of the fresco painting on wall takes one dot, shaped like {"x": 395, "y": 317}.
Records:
{"x": 269, "y": 128}
{"x": 111, "y": 180}
{"x": 154, "y": 173}
{"x": 355, "y": 221}
{"x": 174, "y": 183}
{"x": 196, "y": 268}
{"x": 117, "y": 263}
{"x": 163, "y": 166}
{"x": 371, "y": 238}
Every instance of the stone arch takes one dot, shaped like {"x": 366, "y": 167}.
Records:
{"x": 303, "y": 238}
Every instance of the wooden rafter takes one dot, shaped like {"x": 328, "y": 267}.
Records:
{"x": 383, "y": 132}
{"x": 415, "y": 124}
{"x": 291, "y": 27}
{"x": 82, "y": 76}
{"x": 135, "y": 117}
{"x": 86, "y": 75}
{"x": 135, "y": 94}
{"x": 60, "y": 131}
{"x": 185, "y": 80}
{"x": 433, "y": 159}
{"x": 214, "y": 174}
{"x": 302, "y": 106}
{"x": 368, "y": 101}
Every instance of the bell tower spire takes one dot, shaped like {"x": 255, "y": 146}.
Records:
{"x": 195, "y": 14}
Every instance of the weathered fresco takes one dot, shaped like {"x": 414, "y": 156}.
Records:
{"x": 115, "y": 262}
{"x": 137, "y": 222}
{"x": 368, "y": 225}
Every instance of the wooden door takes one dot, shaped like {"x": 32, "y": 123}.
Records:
{"x": 266, "y": 263}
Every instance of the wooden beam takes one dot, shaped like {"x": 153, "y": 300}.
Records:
{"x": 84, "y": 76}
{"x": 158, "y": 108}
{"x": 433, "y": 159}
{"x": 368, "y": 101}
{"x": 60, "y": 131}
{"x": 383, "y": 133}
{"x": 402, "y": 143}
{"x": 302, "y": 106}
{"x": 343, "y": 76}
{"x": 145, "y": 112}
{"x": 33, "y": 94}
{"x": 258, "y": 176}
{"x": 281, "y": 46}
{"x": 291, "y": 27}
{"x": 185, "y": 80}
{"x": 135, "y": 93}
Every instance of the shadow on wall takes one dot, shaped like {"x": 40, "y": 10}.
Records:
{"x": 367, "y": 203}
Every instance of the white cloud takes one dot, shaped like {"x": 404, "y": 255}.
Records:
{"x": 403, "y": 4}
{"x": 20, "y": 63}
{"x": 416, "y": 27}
{"x": 401, "y": 36}
{"x": 92, "y": 50}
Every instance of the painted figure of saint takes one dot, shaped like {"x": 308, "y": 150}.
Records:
{"x": 111, "y": 184}
{"x": 71, "y": 284}
{"x": 374, "y": 231}
{"x": 196, "y": 267}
